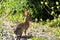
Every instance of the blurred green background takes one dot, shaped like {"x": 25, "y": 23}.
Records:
{"x": 46, "y": 11}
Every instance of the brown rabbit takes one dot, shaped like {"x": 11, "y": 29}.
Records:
{"x": 22, "y": 27}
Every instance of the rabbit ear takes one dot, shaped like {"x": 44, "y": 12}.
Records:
{"x": 26, "y": 12}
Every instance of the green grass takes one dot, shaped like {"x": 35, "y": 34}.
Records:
{"x": 39, "y": 38}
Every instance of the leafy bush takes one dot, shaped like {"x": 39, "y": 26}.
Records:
{"x": 40, "y": 9}
{"x": 53, "y": 23}
{"x": 12, "y": 9}
{"x": 56, "y": 31}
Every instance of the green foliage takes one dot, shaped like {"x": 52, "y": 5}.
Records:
{"x": 53, "y": 23}
{"x": 56, "y": 31}
{"x": 40, "y": 9}
{"x": 0, "y": 36}
{"x": 0, "y": 23}
{"x": 13, "y": 9}
{"x": 0, "y": 30}
{"x": 15, "y": 18}
{"x": 39, "y": 38}
{"x": 44, "y": 9}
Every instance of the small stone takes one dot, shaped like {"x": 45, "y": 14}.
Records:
{"x": 23, "y": 39}
{"x": 29, "y": 39}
